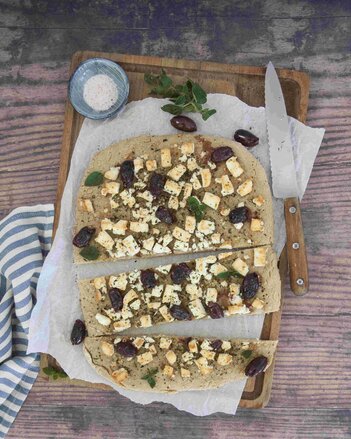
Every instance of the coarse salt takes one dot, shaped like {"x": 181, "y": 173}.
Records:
{"x": 100, "y": 92}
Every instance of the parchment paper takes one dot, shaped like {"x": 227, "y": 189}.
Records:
{"x": 57, "y": 293}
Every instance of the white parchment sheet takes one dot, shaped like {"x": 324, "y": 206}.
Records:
{"x": 57, "y": 293}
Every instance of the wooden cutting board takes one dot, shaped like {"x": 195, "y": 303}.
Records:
{"x": 247, "y": 83}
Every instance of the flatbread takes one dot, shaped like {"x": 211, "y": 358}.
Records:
{"x": 170, "y": 365}
{"x": 111, "y": 213}
{"x": 145, "y": 307}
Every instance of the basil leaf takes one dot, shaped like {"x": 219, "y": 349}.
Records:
{"x": 90, "y": 253}
{"x": 196, "y": 207}
{"x": 150, "y": 377}
{"x": 94, "y": 179}
{"x": 199, "y": 94}
{"x": 227, "y": 274}
{"x": 247, "y": 353}
{"x": 173, "y": 109}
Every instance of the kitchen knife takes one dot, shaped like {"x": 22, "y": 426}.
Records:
{"x": 284, "y": 181}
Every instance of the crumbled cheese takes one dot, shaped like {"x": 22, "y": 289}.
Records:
{"x": 190, "y": 224}
{"x": 127, "y": 198}
{"x": 105, "y": 240}
{"x": 173, "y": 203}
{"x": 238, "y": 226}
{"x": 146, "y": 195}
{"x": 224, "y": 359}
{"x": 170, "y": 296}
{"x": 209, "y": 355}
{"x": 166, "y": 158}
{"x": 225, "y": 211}
{"x": 197, "y": 309}
{"x": 165, "y": 343}
{"x": 237, "y": 309}
{"x": 218, "y": 268}
{"x": 257, "y": 303}
{"x": 148, "y": 243}
{"x": 195, "y": 182}
{"x": 240, "y": 266}
{"x": 154, "y": 305}
{"x": 181, "y": 234}
{"x": 184, "y": 373}
{"x": 139, "y": 227}
{"x": 132, "y": 247}
{"x": 119, "y": 281}
{"x": 191, "y": 164}
{"x": 106, "y": 224}
{"x": 205, "y": 177}
{"x": 256, "y": 225}
{"x": 260, "y": 256}
{"x": 153, "y": 350}
{"x": 120, "y": 375}
{"x": 168, "y": 371}
{"x": 120, "y": 227}
{"x": 100, "y": 284}
{"x": 177, "y": 172}
{"x": 138, "y": 164}
{"x": 113, "y": 204}
{"x": 226, "y": 345}
{"x": 234, "y": 289}
{"x": 187, "y": 189}
{"x": 245, "y": 188}
{"x": 259, "y": 201}
{"x": 157, "y": 291}
{"x": 138, "y": 342}
{"x": 131, "y": 295}
{"x": 211, "y": 200}
{"x": 193, "y": 291}
{"x": 107, "y": 348}
{"x": 166, "y": 314}
{"x": 172, "y": 188}
{"x": 145, "y": 321}
{"x": 160, "y": 249}
{"x": 171, "y": 357}
{"x": 112, "y": 173}
{"x": 180, "y": 246}
{"x": 187, "y": 148}
{"x": 233, "y": 167}
{"x": 211, "y": 295}
{"x": 164, "y": 268}
{"x": 86, "y": 205}
{"x": 111, "y": 187}
{"x": 192, "y": 345}
{"x": 206, "y": 227}
{"x": 216, "y": 238}
{"x": 187, "y": 357}
{"x": 151, "y": 165}
{"x": 194, "y": 277}
{"x": 202, "y": 364}
{"x": 103, "y": 320}
{"x": 145, "y": 358}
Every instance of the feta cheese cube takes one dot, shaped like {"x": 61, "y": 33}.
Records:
{"x": 211, "y": 200}
{"x": 187, "y": 357}
{"x": 131, "y": 246}
{"x": 203, "y": 367}
{"x": 145, "y": 358}
{"x": 184, "y": 373}
{"x": 205, "y": 177}
{"x": 112, "y": 173}
{"x": 157, "y": 291}
{"x": 195, "y": 182}
{"x": 166, "y": 314}
{"x": 111, "y": 187}
{"x": 121, "y": 325}
{"x": 168, "y": 371}
{"x": 181, "y": 234}
{"x": 177, "y": 172}
{"x": 106, "y": 224}
{"x": 166, "y": 158}
{"x": 187, "y": 148}
{"x": 171, "y": 357}
{"x": 226, "y": 345}
{"x": 120, "y": 375}
{"x": 240, "y": 266}
{"x": 259, "y": 201}
{"x": 190, "y": 224}
{"x": 245, "y": 188}
{"x": 161, "y": 249}
{"x": 172, "y": 188}
{"x": 151, "y": 165}
{"x": 233, "y": 167}
{"x": 170, "y": 296}
{"x": 224, "y": 359}
{"x": 145, "y": 321}
{"x": 146, "y": 195}
{"x": 256, "y": 225}
{"x": 105, "y": 240}
{"x": 165, "y": 343}
{"x": 86, "y": 205}
{"x": 173, "y": 203}
{"x": 197, "y": 309}
{"x": 138, "y": 342}
{"x": 103, "y": 320}
{"x": 148, "y": 243}
{"x": 135, "y": 305}
{"x": 216, "y": 238}
{"x": 100, "y": 284}
{"x": 260, "y": 256}
{"x": 211, "y": 295}
{"x": 139, "y": 227}
{"x": 227, "y": 186}
{"x": 119, "y": 281}
{"x": 209, "y": 355}
{"x": 192, "y": 345}
{"x": 164, "y": 268}
{"x": 193, "y": 291}
{"x": 138, "y": 164}
{"x": 206, "y": 227}
{"x": 131, "y": 295}
{"x": 218, "y": 268}
{"x": 257, "y": 303}
{"x": 191, "y": 164}
{"x": 120, "y": 227}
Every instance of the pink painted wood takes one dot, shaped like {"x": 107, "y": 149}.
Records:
{"x": 312, "y": 385}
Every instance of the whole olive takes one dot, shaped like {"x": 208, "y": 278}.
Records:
{"x": 183, "y": 123}
{"x": 246, "y": 138}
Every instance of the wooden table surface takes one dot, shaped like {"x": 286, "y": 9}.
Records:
{"x": 311, "y": 394}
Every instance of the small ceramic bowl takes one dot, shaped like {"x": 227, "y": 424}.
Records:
{"x": 86, "y": 70}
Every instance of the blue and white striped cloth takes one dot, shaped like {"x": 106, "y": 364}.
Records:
{"x": 25, "y": 240}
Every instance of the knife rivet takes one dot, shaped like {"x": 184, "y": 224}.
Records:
{"x": 295, "y": 245}
{"x": 292, "y": 209}
{"x": 300, "y": 282}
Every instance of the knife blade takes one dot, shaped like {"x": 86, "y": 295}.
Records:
{"x": 284, "y": 182}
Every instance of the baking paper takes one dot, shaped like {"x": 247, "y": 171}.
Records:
{"x": 57, "y": 293}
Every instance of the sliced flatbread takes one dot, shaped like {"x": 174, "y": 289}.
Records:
{"x": 127, "y": 221}
{"x": 160, "y": 299}
{"x": 172, "y": 364}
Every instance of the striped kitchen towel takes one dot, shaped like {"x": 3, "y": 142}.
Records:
{"x": 25, "y": 239}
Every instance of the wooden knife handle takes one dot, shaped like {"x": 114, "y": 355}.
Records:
{"x": 297, "y": 259}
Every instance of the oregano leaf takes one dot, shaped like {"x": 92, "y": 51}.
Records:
{"x": 94, "y": 179}
{"x": 90, "y": 253}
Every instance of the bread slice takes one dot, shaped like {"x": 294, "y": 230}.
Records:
{"x": 172, "y": 364}
{"x": 125, "y": 220}
{"x": 214, "y": 279}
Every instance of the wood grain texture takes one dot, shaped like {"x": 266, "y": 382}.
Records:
{"x": 311, "y": 392}
{"x": 295, "y": 247}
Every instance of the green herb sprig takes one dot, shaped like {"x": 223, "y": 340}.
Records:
{"x": 247, "y": 353}
{"x": 197, "y": 208}
{"x": 187, "y": 98}
{"x": 230, "y": 273}
{"x": 150, "y": 377}
{"x": 90, "y": 253}
{"x": 54, "y": 373}
{"x": 94, "y": 179}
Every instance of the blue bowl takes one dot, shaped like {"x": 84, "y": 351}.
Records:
{"x": 86, "y": 70}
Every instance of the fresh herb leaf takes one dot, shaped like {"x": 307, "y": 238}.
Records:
{"x": 150, "y": 377}
{"x": 247, "y": 353}
{"x": 90, "y": 253}
{"x": 196, "y": 207}
{"x": 54, "y": 373}
{"x": 227, "y": 274}
{"x": 187, "y": 98}
{"x": 94, "y": 179}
